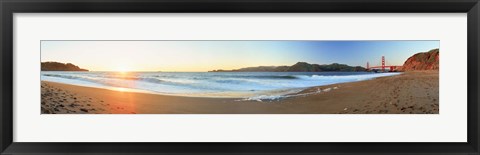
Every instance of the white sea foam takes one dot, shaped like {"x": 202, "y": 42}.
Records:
{"x": 257, "y": 86}
{"x": 262, "y": 98}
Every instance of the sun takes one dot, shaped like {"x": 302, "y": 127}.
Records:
{"x": 122, "y": 69}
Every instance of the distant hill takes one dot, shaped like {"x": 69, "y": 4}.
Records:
{"x": 57, "y": 66}
{"x": 299, "y": 67}
{"x": 423, "y": 61}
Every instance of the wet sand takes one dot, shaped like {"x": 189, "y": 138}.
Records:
{"x": 409, "y": 93}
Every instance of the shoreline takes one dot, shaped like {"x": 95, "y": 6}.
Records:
{"x": 280, "y": 92}
{"x": 391, "y": 94}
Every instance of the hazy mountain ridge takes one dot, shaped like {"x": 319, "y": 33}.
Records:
{"x": 58, "y": 66}
{"x": 299, "y": 67}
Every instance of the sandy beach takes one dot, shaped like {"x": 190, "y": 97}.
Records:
{"x": 415, "y": 92}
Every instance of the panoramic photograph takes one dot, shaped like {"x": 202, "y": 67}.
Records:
{"x": 240, "y": 77}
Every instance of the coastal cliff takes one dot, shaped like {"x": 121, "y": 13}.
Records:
{"x": 57, "y": 66}
{"x": 299, "y": 67}
{"x": 422, "y": 61}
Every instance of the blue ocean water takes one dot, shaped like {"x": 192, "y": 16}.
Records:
{"x": 254, "y": 85}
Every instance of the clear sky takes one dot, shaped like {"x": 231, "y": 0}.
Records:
{"x": 184, "y": 56}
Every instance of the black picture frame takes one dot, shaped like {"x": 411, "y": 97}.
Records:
{"x": 8, "y": 7}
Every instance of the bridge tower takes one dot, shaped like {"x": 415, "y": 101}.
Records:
{"x": 368, "y": 66}
{"x": 383, "y": 63}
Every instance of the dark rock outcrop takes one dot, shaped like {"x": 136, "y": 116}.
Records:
{"x": 423, "y": 61}
{"x": 57, "y": 66}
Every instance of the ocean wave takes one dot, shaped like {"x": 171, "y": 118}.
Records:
{"x": 273, "y": 77}
{"x": 252, "y": 86}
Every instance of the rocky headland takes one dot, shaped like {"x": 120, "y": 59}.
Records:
{"x": 58, "y": 66}
{"x": 423, "y": 61}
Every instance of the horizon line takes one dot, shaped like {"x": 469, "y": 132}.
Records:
{"x": 211, "y": 70}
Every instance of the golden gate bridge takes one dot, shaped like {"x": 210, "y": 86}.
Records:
{"x": 382, "y": 67}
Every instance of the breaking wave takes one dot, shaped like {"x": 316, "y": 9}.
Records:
{"x": 245, "y": 85}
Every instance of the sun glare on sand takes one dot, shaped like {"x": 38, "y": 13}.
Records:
{"x": 120, "y": 89}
